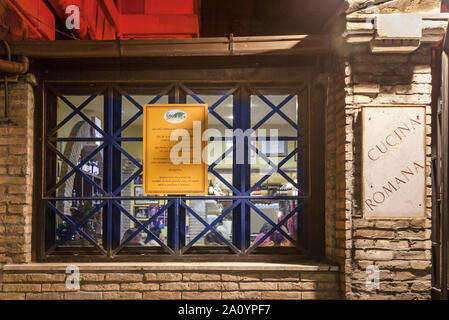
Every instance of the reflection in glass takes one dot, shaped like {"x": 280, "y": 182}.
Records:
{"x": 275, "y": 211}
{"x": 209, "y": 210}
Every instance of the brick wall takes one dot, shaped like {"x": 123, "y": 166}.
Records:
{"x": 16, "y": 173}
{"x": 116, "y": 281}
{"x": 400, "y": 248}
{"x": 336, "y": 215}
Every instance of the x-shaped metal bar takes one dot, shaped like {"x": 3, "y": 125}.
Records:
{"x": 200, "y": 219}
{"x": 143, "y": 226}
{"x": 74, "y": 226}
{"x": 210, "y": 226}
{"x": 275, "y": 109}
{"x": 276, "y": 228}
{"x": 63, "y": 239}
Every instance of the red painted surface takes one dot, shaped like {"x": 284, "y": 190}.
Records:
{"x": 28, "y": 19}
{"x": 103, "y": 20}
{"x": 159, "y": 26}
{"x": 146, "y": 19}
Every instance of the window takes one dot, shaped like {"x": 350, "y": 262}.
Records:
{"x": 94, "y": 204}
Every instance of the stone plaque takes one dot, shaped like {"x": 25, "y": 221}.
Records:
{"x": 393, "y": 163}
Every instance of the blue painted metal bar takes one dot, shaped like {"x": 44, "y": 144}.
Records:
{"x": 218, "y": 234}
{"x": 73, "y": 171}
{"x": 132, "y": 139}
{"x": 219, "y": 101}
{"x": 97, "y": 208}
{"x": 130, "y": 157}
{"x": 260, "y": 213}
{"x": 75, "y": 139}
{"x": 210, "y": 226}
{"x": 127, "y": 182}
{"x": 85, "y": 176}
{"x": 276, "y": 109}
{"x": 83, "y": 116}
{"x": 221, "y": 158}
{"x": 125, "y": 198}
{"x": 269, "y": 233}
{"x": 71, "y": 115}
{"x": 242, "y": 201}
{"x": 225, "y": 182}
{"x": 280, "y": 164}
{"x": 223, "y": 121}
{"x": 74, "y": 226}
{"x": 140, "y": 112}
{"x": 143, "y": 228}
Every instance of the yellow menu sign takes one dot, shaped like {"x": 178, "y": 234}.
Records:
{"x": 173, "y": 147}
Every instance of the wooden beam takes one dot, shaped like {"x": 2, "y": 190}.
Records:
{"x": 275, "y": 45}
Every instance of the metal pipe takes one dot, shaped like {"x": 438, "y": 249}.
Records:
{"x": 20, "y": 67}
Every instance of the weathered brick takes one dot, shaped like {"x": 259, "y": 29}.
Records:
{"x": 374, "y": 234}
{"x": 122, "y": 295}
{"x": 41, "y": 277}
{"x": 91, "y": 277}
{"x": 211, "y": 295}
{"x": 162, "y": 295}
{"x": 44, "y": 296}
{"x": 421, "y": 286}
{"x": 58, "y": 287}
{"x": 280, "y": 276}
{"x": 12, "y": 296}
{"x": 22, "y": 287}
{"x": 211, "y": 286}
{"x": 281, "y": 295}
{"x": 328, "y": 277}
{"x": 201, "y": 277}
{"x": 163, "y": 276}
{"x": 307, "y": 295}
{"x": 101, "y": 287}
{"x": 179, "y": 286}
{"x": 241, "y": 295}
{"x": 258, "y": 285}
{"x": 79, "y": 295}
{"x": 139, "y": 286}
{"x": 124, "y": 277}
{"x": 230, "y": 277}
{"x": 374, "y": 255}
{"x": 230, "y": 286}
{"x": 394, "y": 286}
{"x": 12, "y": 278}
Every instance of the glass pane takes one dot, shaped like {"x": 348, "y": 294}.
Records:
{"x": 77, "y": 127}
{"x": 217, "y": 147}
{"x": 260, "y": 109}
{"x": 275, "y": 211}
{"x": 129, "y": 110}
{"x": 216, "y": 151}
{"x": 275, "y": 184}
{"x": 209, "y": 211}
{"x": 143, "y": 211}
{"x": 77, "y": 212}
{"x": 224, "y": 109}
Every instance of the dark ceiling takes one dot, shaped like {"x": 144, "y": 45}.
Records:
{"x": 266, "y": 17}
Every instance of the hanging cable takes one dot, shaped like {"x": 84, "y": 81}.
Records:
{"x": 27, "y": 15}
{"x": 8, "y": 53}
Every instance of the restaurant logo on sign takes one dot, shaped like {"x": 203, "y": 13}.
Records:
{"x": 175, "y": 116}
{"x": 393, "y": 162}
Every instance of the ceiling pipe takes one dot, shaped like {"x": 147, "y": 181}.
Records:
{"x": 13, "y": 67}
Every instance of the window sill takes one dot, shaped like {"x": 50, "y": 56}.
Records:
{"x": 174, "y": 266}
